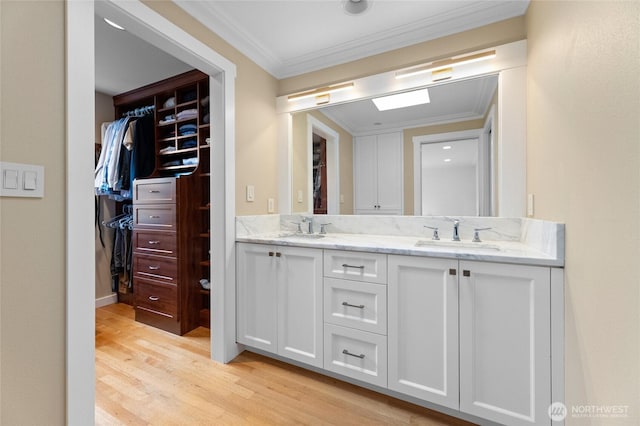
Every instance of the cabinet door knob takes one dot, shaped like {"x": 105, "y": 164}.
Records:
{"x": 154, "y": 298}
{"x": 154, "y": 217}
{"x": 346, "y": 352}
{"x": 271, "y": 254}
{"x": 466, "y": 273}
{"x": 346, "y": 265}
{"x": 452, "y": 271}
{"x": 154, "y": 268}
{"x": 154, "y": 191}
{"x": 278, "y": 254}
{"x": 152, "y": 242}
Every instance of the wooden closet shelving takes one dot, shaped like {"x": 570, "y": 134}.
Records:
{"x": 171, "y": 232}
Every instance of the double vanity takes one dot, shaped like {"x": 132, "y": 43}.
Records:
{"x": 472, "y": 328}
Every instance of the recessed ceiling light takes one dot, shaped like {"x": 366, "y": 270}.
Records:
{"x": 446, "y": 147}
{"x": 355, "y": 7}
{"x": 113, "y": 24}
{"x": 402, "y": 100}
{"x": 447, "y": 160}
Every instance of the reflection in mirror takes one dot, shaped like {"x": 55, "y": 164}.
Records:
{"x": 454, "y": 107}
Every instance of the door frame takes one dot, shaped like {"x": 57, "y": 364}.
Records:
{"x": 152, "y": 27}
{"x": 333, "y": 164}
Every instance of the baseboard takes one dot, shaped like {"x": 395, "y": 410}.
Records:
{"x": 107, "y": 300}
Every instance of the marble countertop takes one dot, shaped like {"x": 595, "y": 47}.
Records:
{"x": 490, "y": 251}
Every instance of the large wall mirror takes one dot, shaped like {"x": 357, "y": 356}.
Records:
{"x": 462, "y": 154}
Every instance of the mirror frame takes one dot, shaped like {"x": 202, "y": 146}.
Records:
{"x": 510, "y": 66}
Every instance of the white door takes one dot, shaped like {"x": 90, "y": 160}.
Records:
{"x": 505, "y": 366}
{"x": 365, "y": 173}
{"x": 256, "y": 298}
{"x": 390, "y": 173}
{"x": 423, "y": 328}
{"x": 300, "y": 292}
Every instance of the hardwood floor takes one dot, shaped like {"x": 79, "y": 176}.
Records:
{"x": 146, "y": 376}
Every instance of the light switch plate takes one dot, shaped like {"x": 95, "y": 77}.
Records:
{"x": 251, "y": 193}
{"x": 530, "y": 205}
{"x": 271, "y": 205}
{"x": 21, "y": 180}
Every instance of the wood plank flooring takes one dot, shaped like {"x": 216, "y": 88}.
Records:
{"x": 146, "y": 376}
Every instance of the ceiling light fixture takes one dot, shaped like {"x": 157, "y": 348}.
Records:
{"x": 320, "y": 91}
{"x": 446, "y": 63}
{"x": 355, "y": 7}
{"x": 446, "y": 147}
{"x": 402, "y": 100}
{"x": 113, "y": 24}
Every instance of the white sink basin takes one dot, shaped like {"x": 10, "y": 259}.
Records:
{"x": 296, "y": 235}
{"x": 457, "y": 244}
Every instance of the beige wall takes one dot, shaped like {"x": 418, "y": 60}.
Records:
{"x": 104, "y": 113}
{"x": 32, "y": 266}
{"x": 256, "y": 141}
{"x": 583, "y": 163}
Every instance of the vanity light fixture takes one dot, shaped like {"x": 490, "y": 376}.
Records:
{"x": 401, "y": 100}
{"x": 320, "y": 91}
{"x": 113, "y": 24}
{"x": 446, "y": 63}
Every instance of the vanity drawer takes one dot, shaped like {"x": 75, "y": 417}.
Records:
{"x": 160, "y": 268}
{"x": 156, "y": 298}
{"x": 358, "y": 266}
{"x": 162, "y": 243}
{"x": 356, "y": 354}
{"x": 155, "y": 216}
{"x": 356, "y": 304}
{"x": 150, "y": 191}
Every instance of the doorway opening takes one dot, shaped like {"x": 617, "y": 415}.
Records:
{"x": 324, "y": 185}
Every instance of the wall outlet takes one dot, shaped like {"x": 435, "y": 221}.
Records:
{"x": 341, "y": 198}
{"x": 299, "y": 195}
{"x": 530, "y": 205}
{"x": 251, "y": 193}
{"x": 271, "y": 205}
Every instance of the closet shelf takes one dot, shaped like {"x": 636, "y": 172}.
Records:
{"x": 179, "y": 151}
{"x": 205, "y": 146}
{"x": 184, "y": 120}
{"x": 205, "y": 174}
{"x": 186, "y": 104}
{"x": 205, "y": 235}
{"x": 204, "y": 126}
{"x": 205, "y": 263}
{"x": 204, "y": 208}
{"x": 205, "y": 291}
{"x": 181, "y": 167}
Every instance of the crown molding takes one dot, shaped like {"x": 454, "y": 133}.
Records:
{"x": 474, "y": 15}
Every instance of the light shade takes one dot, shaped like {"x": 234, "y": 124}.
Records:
{"x": 355, "y": 7}
{"x": 446, "y": 63}
{"x": 320, "y": 91}
{"x": 402, "y": 100}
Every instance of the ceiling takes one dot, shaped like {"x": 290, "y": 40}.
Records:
{"x": 291, "y": 37}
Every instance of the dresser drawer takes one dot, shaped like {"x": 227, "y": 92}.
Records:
{"x": 154, "y": 191}
{"x": 358, "y": 266}
{"x": 155, "y": 216}
{"x": 157, "y": 298}
{"x": 356, "y": 304}
{"x": 159, "y": 268}
{"x": 162, "y": 243}
{"x": 356, "y": 354}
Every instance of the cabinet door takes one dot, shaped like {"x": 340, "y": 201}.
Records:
{"x": 300, "y": 304}
{"x": 423, "y": 328}
{"x": 365, "y": 173}
{"x": 389, "y": 170}
{"x": 256, "y": 298}
{"x": 505, "y": 368}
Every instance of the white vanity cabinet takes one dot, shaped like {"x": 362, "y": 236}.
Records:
{"x": 377, "y": 174}
{"x": 423, "y": 328}
{"x": 279, "y": 300}
{"x": 505, "y": 342}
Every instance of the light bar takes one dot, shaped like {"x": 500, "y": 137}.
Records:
{"x": 402, "y": 100}
{"x": 434, "y": 66}
{"x": 320, "y": 91}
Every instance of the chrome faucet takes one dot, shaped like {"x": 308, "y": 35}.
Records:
{"x": 310, "y": 221}
{"x": 456, "y": 236}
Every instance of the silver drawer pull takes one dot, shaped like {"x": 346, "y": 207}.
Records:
{"x": 154, "y": 298}
{"x": 154, "y": 242}
{"x": 346, "y": 265}
{"x": 154, "y": 217}
{"x": 353, "y": 306}
{"x": 154, "y": 268}
{"x": 346, "y": 352}
{"x": 154, "y": 191}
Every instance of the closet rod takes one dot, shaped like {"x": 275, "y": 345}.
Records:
{"x": 139, "y": 111}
